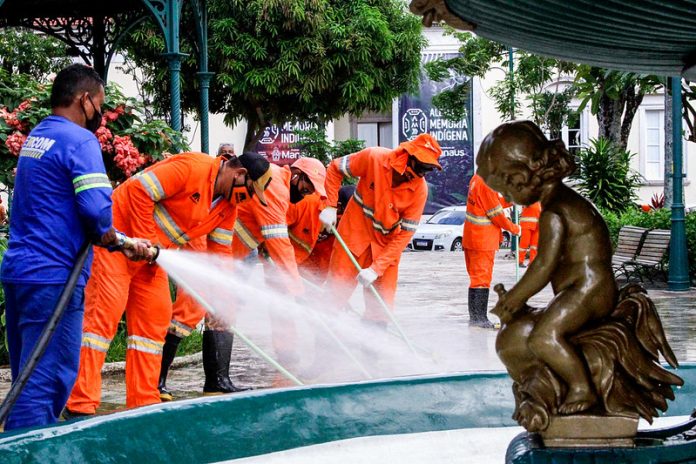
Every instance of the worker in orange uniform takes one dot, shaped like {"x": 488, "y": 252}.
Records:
{"x": 380, "y": 219}
{"x": 258, "y": 226}
{"x": 482, "y": 231}
{"x": 304, "y": 226}
{"x": 529, "y": 222}
{"x": 187, "y": 313}
{"x": 316, "y": 265}
{"x": 174, "y": 201}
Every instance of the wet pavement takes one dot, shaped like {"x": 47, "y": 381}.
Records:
{"x": 431, "y": 303}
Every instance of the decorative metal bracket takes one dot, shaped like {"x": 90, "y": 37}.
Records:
{"x": 94, "y": 39}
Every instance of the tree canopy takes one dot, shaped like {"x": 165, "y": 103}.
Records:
{"x": 292, "y": 60}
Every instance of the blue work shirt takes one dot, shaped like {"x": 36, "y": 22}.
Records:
{"x": 62, "y": 197}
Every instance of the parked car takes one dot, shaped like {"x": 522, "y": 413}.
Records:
{"x": 443, "y": 231}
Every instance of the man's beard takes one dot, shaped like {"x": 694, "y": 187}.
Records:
{"x": 295, "y": 195}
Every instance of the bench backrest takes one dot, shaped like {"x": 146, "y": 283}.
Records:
{"x": 654, "y": 247}
{"x": 630, "y": 239}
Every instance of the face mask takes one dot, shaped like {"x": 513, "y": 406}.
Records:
{"x": 239, "y": 193}
{"x": 93, "y": 123}
{"x": 295, "y": 194}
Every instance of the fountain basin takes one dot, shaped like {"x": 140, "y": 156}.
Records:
{"x": 255, "y": 423}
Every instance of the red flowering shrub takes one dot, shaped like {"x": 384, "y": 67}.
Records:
{"x": 128, "y": 143}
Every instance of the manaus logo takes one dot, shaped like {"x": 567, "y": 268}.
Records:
{"x": 414, "y": 122}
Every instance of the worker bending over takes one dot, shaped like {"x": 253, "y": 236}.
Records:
{"x": 380, "y": 219}
{"x": 179, "y": 199}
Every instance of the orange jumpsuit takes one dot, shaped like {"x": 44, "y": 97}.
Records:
{"x": 257, "y": 224}
{"x": 529, "y": 222}
{"x": 304, "y": 226}
{"x": 482, "y": 231}
{"x": 376, "y": 225}
{"x": 170, "y": 204}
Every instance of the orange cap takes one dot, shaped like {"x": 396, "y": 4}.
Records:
{"x": 315, "y": 171}
{"x": 425, "y": 148}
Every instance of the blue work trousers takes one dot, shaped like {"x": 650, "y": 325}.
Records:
{"x": 28, "y": 309}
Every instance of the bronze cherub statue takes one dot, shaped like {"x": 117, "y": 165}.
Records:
{"x": 593, "y": 349}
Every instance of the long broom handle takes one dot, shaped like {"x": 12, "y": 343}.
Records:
{"x": 374, "y": 291}
{"x": 328, "y": 329}
{"x": 354, "y": 311}
{"x": 236, "y": 331}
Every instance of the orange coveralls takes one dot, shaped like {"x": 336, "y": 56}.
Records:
{"x": 482, "y": 231}
{"x": 377, "y": 225}
{"x": 267, "y": 225}
{"x": 170, "y": 204}
{"x": 304, "y": 226}
{"x": 529, "y": 222}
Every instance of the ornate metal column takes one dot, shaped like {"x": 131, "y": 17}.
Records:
{"x": 167, "y": 14}
{"x": 200, "y": 11}
{"x": 678, "y": 258}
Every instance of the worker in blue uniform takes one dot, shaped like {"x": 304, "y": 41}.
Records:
{"x": 62, "y": 198}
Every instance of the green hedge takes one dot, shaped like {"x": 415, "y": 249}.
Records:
{"x": 656, "y": 219}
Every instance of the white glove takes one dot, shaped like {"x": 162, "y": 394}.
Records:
{"x": 328, "y": 218}
{"x": 367, "y": 276}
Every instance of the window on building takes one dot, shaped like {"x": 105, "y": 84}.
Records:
{"x": 574, "y": 135}
{"x": 654, "y": 145}
{"x": 375, "y": 134}
{"x": 374, "y": 128}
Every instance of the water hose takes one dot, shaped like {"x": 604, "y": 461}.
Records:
{"x": 374, "y": 291}
{"x": 233, "y": 329}
{"x": 47, "y": 333}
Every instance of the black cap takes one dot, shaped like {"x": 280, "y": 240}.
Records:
{"x": 259, "y": 169}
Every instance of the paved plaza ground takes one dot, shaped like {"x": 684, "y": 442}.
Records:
{"x": 432, "y": 288}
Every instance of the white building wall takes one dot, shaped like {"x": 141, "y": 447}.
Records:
{"x": 485, "y": 117}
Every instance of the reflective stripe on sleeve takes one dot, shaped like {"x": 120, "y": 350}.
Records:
{"x": 478, "y": 220}
{"x": 168, "y": 226}
{"x": 144, "y": 345}
{"x": 179, "y": 329}
{"x": 344, "y": 166}
{"x": 95, "y": 342}
{"x": 90, "y": 181}
{"x": 221, "y": 236}
{"x": 494, "y": 211}
{"x": 246, "y": 237}
{"x": 409, "y": 225}
{"x": 152, "y": 185}
{"x": 274, "y": 231}
{"x": 528, "y": 219}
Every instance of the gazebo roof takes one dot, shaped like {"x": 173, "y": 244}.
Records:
{"x": 15, "y": 10}
{"x": 651, "y": 36}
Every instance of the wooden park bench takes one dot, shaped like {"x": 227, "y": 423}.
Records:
{"x": 627, "y": 246}
{"x": 651, "y": 256}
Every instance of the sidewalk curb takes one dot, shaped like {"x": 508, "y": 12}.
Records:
{"x": 119, "y": 367}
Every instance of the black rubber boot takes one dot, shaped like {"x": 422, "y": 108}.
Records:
{"x": 171, "y": 344}
{"x": 217, "y": 351}
{"x": 478, "y": 308}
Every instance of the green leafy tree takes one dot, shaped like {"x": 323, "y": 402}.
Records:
{"x": 313, "y": 143}
{"x": 614, "y": 98}
{"x": 532, "y": 74}
{"x": 605, "y": 176}
{"x": 26, "y": 52}
{"x": 292, "y": 60}
{"x": 128, "y": 144}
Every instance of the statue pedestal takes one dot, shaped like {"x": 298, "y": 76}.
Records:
{"x": 587, "y": 431}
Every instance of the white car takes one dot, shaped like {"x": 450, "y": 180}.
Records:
{"x": 443, "y": 231}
